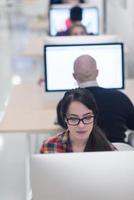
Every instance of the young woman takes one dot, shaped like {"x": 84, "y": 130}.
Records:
{"x": 77, "y": 29}
{"x": 77, "y": 114}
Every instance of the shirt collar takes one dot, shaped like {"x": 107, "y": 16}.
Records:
{"x": 88, "y": 84}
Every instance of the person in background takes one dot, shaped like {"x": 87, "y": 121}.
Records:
{"x": 75, "y": 18}
{"x": 78, "y": 29}
{"x": 116, "y": 111}
{"x": 73, "y": 1}
{"x": 66, "y": 1}
{"x": 78, "y": 113}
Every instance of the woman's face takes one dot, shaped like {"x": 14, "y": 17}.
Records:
{"x": 79, "y": 131}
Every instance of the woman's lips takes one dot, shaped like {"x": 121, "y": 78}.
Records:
{"x": 81, "y": 132}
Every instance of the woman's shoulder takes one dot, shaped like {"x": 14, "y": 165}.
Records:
{"x": 54, "y": 144}
{"x": 54, "y": 138}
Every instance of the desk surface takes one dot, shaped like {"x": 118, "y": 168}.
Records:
{"x": 36, "y": 43}
{"x": 39, "y": 24}
{"x": 30, "y": 109}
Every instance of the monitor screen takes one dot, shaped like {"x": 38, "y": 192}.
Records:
{"x": 58, "y": 17}
{"x": 59, "y": 60}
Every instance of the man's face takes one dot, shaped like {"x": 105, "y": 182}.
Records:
{"x": 78, "y": 30}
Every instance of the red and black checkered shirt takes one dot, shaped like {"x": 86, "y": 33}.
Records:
{"x": 57, "y": 144}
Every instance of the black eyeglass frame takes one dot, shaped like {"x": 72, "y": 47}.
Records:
{"x": 79, "y": 120}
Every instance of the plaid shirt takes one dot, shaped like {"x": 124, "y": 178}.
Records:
{"x": 57, "y": 144}
{"x": 60, "y": 144}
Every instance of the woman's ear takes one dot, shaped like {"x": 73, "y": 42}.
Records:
{"x": 65, "y": 121}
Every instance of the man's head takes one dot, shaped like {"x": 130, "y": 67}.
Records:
{"x": 76, "y": 14}
{"x": 85, "y": 69}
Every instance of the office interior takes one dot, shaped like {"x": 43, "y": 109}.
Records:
{"x": 23, "y": 32}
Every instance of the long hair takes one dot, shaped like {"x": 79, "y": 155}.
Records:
{"x": 97, "y": 140}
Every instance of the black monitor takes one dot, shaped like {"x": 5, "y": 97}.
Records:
{"x": 58, "y": 16}
{"x": 59, "y": 59}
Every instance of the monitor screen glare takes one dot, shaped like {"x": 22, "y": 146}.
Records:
{"x": 59, "y": 60}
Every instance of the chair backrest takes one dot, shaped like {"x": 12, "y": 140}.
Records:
{"x": 123, "y": 146}
{"x": 131, "y": 138}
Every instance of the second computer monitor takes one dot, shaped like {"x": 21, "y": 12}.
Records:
{"x": 59, "y": 60}
{"x": 58, "y": 15}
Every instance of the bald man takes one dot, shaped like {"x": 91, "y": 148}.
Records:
{"x": 85, "y": 69}
{"x": 115, "y": 110}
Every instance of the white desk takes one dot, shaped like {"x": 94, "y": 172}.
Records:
{"x": 34, "y": 47}
{"x": 39, "y": 24}
{"x": 28, "y": 111}
{"x": 36, "y": 43}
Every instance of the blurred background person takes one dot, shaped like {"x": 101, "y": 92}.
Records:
{"x": 75, "y": 18}
{"x": 66, "y": 1}
{"x": 78, "y": 29}
{"x": 73, "y": 1}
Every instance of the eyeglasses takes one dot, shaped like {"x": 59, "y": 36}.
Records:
{"x": 85, "y": 120}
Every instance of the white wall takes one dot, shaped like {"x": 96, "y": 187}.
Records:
{"x": 5, "y": 58}
{"x": 120, "y": 20}
{"x": 99, "y": 4}
{"x": 35, "y": 8}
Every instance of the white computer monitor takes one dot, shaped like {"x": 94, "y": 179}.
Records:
{"x": 59, "y": 59}
{"x": 59, "y": 14}
{"x": 83, "y": 176}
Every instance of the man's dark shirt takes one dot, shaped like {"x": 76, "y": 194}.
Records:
{"x": 63, "y": 33}
{"x": 115, "y": 112}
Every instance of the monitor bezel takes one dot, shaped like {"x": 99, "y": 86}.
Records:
{"x": 90, "y": 44}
